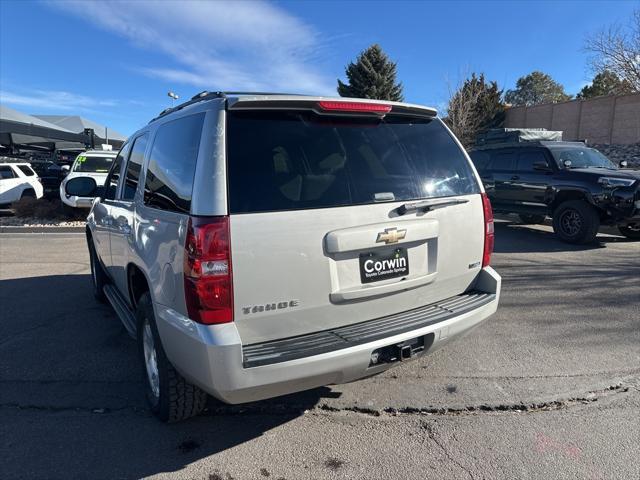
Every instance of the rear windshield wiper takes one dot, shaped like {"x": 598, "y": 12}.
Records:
{"x": 427, "y": 205}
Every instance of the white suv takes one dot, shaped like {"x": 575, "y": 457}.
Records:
{"x": 93, "y": 164}
{"x": 258, "y": 245}
{"x": 18, "y": 180}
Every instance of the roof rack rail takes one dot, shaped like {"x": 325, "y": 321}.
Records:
{"x": 205, "y": 94}
{"x": 197, "y": 98}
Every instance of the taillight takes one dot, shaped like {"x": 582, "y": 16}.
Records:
{"x": 488, "y": 230}
{"x": 340, "y": 106}
{"x": 207, "y": 270}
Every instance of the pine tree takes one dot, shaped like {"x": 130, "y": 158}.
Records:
{"x": 606, "y": 83}
{"x": 373, "y": 75}
{"x": 473, "y": 108}
{"x": 534, "y": 89}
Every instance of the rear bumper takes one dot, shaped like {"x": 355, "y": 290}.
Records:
{"x": 212, "y": 357}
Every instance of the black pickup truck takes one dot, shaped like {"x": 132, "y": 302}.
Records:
{"x": 577, "y": 186}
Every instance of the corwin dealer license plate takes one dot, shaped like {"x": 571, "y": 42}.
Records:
{"x": 375, "y": 267}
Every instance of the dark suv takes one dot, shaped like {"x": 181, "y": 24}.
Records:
{"x": 577, "y": 186}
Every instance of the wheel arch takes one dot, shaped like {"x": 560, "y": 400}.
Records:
{"x": 137, "y": 283}
{"x": 564, "y": 195}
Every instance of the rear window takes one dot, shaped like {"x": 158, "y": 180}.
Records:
{"x": 92, "y": 164}
{"x": 26, "y": 169}
{"x": 300, "y": 160}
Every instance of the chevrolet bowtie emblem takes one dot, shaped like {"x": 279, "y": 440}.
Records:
{"x": 391, "y": 235}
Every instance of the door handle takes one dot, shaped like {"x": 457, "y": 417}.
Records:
{"x": 515, "y": 177}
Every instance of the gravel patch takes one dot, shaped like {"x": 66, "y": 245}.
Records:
{"x": 39, "y": 222}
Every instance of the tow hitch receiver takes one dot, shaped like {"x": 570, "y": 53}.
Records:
{"x": 401, "y": 351}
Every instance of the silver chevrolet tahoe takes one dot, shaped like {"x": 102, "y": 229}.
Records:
{"x": 261, "y": 244}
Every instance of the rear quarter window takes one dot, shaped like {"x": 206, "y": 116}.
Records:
{"x": 299, "y": 160}
{"x": 172, "y": 164}
{"x": 26, "y": 169}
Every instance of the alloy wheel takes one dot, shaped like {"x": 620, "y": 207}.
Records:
{"x": 571, "y": 222}
{"x": 151, "y": 359}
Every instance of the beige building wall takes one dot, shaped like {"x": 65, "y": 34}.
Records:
{"x": 608, "y": 120}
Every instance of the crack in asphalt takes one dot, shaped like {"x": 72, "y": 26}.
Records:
{"x": 269, "y": 408}
{"x": 432, "y": 436}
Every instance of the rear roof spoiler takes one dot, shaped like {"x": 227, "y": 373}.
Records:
{"x": 298, "y": 102}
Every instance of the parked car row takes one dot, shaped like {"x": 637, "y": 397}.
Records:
{"x": 36, "y": 178}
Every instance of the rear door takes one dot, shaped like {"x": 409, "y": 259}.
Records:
{"x": 502, "y": 167}
{"x": 323, "y": 229}
{"x": 121, "y": 231}
{"x": 103, "y": 209}
{"x": 533, "y": 182}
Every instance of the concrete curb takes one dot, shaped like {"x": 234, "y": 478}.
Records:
{"x": 14, "y": 229}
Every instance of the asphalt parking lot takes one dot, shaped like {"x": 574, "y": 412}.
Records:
{"x": 548, "y": 388}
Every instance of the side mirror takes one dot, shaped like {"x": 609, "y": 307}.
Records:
{"x": 541, "y": 166}
{"x": 82, "y": 187}
{"x": 623, "y": 164}
{"x": 65, "y": 170}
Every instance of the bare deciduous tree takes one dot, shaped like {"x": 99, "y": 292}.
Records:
{"x": 617, "y": 49}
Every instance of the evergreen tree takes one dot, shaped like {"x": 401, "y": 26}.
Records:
{"x": 373, "y": 75}
{"x": 474, "y": 108}
{"x": 534, "y": 89}
{"x": 605, "y": 83}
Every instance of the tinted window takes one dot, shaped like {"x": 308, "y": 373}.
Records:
{"x": 6, "y": 172}
{"x": 26, "y": 169}
{"x": 526, "y": 160}
{"x": 92, "y": 164}
{"x": 502, "y": 160}
{"x": 114, "y": 176}
{"x": 172, "y": 164}
{"x": 296, "y": 160}
{"x": 133, "y": 167}
{"x": 480, "y": 159}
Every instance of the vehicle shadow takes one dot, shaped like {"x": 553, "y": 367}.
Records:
{"x": 514, "y": 237}
{"x": 71, "y": 397}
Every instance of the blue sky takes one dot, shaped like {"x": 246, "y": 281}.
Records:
{"x": 114, "y": 62}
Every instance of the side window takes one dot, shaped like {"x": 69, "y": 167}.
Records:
{"x": 134, "y": 166}
{"x": 502, "y": 161}
{"x": 6, "y": 172}
{"x": 113, "y": 178}
{"x": 526, "y": 160}
{"x": 480, "y": 159}
{"x": 26, "y": 169}
{"x": 172, "y": 164}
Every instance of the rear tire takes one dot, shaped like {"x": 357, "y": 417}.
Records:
{"x": 98, "y": 276}
{"x": 170, "y": 396}
{"x": 575, "y": 221}
{"x": 28, "y": 193}
{"x": 532, "y": 219}
{"x": 632, "y": 232}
